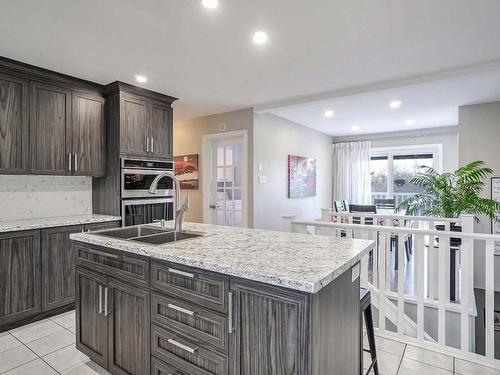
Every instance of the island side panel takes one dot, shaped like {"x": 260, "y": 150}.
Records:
{"x": 335, "y": 328}
{"x": 271, "y": 330}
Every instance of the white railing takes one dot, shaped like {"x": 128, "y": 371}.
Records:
{"x": 424, "y": 298}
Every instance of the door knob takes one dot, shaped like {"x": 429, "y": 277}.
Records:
{"x": 212, "y": 206}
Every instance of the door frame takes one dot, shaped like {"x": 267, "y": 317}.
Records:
{"x": 208, "y": 142}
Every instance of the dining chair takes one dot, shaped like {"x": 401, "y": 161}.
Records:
{"x": 385, "y": 203}
{"x": 362, "y": 208}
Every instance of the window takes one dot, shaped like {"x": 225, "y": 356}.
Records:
{"x": 392, "y": 169}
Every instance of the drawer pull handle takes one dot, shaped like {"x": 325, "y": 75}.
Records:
{"x": 182, "y": 273}
{"x": 180, "y": 309}
{"x": 182, "y": 346}
{"x": 102, "y": 253}
{"x": 100, "y": 299}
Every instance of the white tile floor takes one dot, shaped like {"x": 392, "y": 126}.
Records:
{"x": 48, "y": 347}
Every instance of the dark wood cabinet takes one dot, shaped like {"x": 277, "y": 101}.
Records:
{"x": 88, "y": 136}
{"x": 134, "y": 132}
{"x": 113, "y": 322}
{"x": 19, "y": 276}
{"x": 58, "y": 267}
{"x": 129, "y": 334}
{"x": 50, "y": 115}
{"x": 270, "y": 326}
{"x": 91, "y": 319}
{"x": 14, "y": 124}
{"x": 160, "y": 128}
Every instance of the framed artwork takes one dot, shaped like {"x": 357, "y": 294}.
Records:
{"x": 301, "y": 177}
{"x": 495, "y": 225}
{"x": 186, "y": 170}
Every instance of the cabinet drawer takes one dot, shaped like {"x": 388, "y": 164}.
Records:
{"x": 205, "y": 288}
{"x": 185, "y": 354}
{"x": 161, "y": 368}
{"x": 117, "y": 265}
{"x": 194, "y": 321}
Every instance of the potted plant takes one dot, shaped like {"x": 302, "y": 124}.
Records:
{"x": 451, "y": 194}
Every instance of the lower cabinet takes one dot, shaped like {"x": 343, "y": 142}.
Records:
{"x": 113, "y": 323}
{"x": 58, "y": 265}
{"x": 19, "y": 276}
{"x": 270, "y": 326}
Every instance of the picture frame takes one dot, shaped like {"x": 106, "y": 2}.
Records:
{"x": 186, "y": 170}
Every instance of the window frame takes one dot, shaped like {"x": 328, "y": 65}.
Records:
{"x": 435, "y": 149}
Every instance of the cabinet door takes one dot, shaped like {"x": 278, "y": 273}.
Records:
{"x": 58, "y": 267}
{"x": 14, "y": 124}
{"x": 50, "y": 108}
{"x": 91, "y": 322}
{"x": 129, "y": 330}
{"x": 160, "y": 124}
{"x": 133, "y": 126}
{"x": 270, "y": 335}
{"x": 19, "y": 276}
{"x": 88, "y": 134}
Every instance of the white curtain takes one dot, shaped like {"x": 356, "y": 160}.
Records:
{"x": 351, "y": 172}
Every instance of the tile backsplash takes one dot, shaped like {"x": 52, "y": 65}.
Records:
{"x": 26, "y": 197}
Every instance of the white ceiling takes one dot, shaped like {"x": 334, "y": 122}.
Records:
{"x": 428, "y": 105}
{"x": 207, "y": 59}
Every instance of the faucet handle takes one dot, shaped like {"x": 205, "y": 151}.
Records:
{"x": 185, "y": 205}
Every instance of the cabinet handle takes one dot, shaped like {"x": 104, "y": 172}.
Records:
{"x": 180, "y": 309}
{"x": 230, "y": 314}
{"x": 152, "y": 144}
{"x": 76, "y": 162}
{"x": 182, "y": 346}
{"x": 147, "y": 144}
{"x": 100, "y": 299}
{"x": 182, "y": 273}
{"x": 106, "y": 312}
{"x": 69, "y": 162}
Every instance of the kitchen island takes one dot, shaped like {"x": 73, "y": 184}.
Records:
{"x": 221, "y": 301}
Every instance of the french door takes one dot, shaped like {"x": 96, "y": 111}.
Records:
{"x": 226, "y": 200}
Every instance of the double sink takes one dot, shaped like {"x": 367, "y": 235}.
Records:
{"x": 150, "y": 234}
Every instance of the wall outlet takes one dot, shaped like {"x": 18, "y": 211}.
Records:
{"x": 262, "y": 179}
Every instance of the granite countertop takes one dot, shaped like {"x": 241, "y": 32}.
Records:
{"x": 292, "y": 260}
{"x": 56, "y": 221}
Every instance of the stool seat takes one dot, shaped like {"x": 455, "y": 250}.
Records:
{"x": 365, "y": 306}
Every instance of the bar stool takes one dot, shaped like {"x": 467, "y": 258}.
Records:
{"x": 366, "y": 311}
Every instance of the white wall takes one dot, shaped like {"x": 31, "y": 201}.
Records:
{"x": 448, "y": 137}
{"x": 479, "y": 139}
{"x": 26, "y": 197}
{"x": 188, "y": 139}
{"x": 274, "y": 139}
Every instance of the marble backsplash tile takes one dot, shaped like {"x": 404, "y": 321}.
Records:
{"x": 25, "y": 197}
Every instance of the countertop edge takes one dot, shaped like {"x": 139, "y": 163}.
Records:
{"x": 54, "y": 222}
{"x": 280, "y": 281}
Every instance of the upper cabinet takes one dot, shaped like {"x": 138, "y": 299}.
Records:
{"x": 14, "y": 125}
{"x": 50, "y": 111}
{"x": 143, "y": 120}
{"x": 88, "y": 136}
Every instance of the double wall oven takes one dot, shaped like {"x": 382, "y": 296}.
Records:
{"x": 138, "y": 205}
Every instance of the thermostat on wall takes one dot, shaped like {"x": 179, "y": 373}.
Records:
{"x": 222, "y": 126}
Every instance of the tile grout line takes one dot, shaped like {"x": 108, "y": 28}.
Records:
{"x": 22, "y": 364}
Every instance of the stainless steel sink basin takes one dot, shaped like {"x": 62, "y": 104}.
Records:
{"x": 132, "y": 232}
{"x": 159, "y": 239}
{"x": 149, "y": 234}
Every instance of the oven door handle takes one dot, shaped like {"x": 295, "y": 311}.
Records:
{"x": 133, "y": 202}
{"x": 144, "y": 171}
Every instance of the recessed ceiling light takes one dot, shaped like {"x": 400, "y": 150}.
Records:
{"x": 329, "y": 113}
{"x": 140, "y": 78}
{"x": 260, "y": 37}
{"x": 355, "y": 128}
{"x": 210, "y": 4}
{"x": 395, "y": 104}
{"x": 409, "y": 122}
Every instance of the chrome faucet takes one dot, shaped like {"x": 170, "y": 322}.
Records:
{"x": 178, "y": 209}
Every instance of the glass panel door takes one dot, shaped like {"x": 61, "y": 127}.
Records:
{"x": 228, "y": 183}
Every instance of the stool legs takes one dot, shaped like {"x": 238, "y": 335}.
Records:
{"x": 370, "y": 333}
